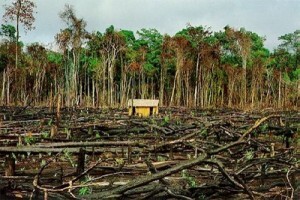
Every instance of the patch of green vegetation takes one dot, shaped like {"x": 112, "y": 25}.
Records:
{"x": 45, "y": 135}
{"x": 178, "y": 121}
{"x": 191, "y": 181}
{"x": 43, "y": 163}
{"x": 249, "y": 155}
{"x": 264, "y": 127}
{"x": 29, "y": 140}
{"x": 203, "y": 133}
{"x": 255, "y": 133}
{"x": 161, "y": 158}
{"x": 119, "y": 161}
{"x": 166, "y": 120}
{"x": 97, "y": 135}
{"x": 85, "y": 191}
{"x": 50, "y": 122}
{"x": 68, "y": 133}
{"x": 68, "y": 157}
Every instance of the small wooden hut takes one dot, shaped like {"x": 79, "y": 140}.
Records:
{"x": 142, "y": 107}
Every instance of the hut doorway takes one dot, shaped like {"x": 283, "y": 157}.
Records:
{"x": 151, "y": 111}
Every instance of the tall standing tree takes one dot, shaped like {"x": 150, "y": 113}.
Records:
{"x": 149, "y": 45}
{"x": 181, "y": 48}
{"x": 8, "y": 35}
{"x": 111, "y": 46}
{"x": 288, "y": 59}
{"x": 241, "y": 43}
{"x": 71, "y": 40}
{"x": 259, "y": 60}
{"x": 20, "y": 11}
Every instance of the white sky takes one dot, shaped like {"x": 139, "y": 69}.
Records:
{"x": 270, "y": 18}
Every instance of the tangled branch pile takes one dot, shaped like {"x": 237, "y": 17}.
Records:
{"x": 183, "y": 154}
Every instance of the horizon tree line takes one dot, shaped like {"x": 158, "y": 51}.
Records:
{"x": 195, "y": 68}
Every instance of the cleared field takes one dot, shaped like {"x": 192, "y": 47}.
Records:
{"x": 179, "y": 154}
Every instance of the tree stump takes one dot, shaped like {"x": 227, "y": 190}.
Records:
{"x": 10, "y": 166}
{"x": 80, "y": 161}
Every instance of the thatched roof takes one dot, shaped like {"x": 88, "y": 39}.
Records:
{"x": 143, "y": 102}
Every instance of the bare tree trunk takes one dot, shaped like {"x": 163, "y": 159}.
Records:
{"x": 18, "y": 31}
{"x": 173, "y": 90}
{"x": 3, "y": 86}
{"x": 179, "y": 65}
{"x": 128, "y": 89}
{"x": 279, "y": 104}
{"x": 143, "y": 84}
{"x": 123, "y": 83}
{"x": 244, "y": 83}
{"x": 93, "y": 93}
{"x": 254, "y": 85}
{"x": 152, "y": 86}
{"x": 188, "y": 90}
{"x": 285, "y": 95}
{"x": 111, "y": 84}
{"x": 231, "y": 90}
{"x": 104, "y": 92}
{"x": 162, "y": 84}
{"x": 197, "y": 81}
{"x": 8, "y": 87}
{"x": 298, "y": 93}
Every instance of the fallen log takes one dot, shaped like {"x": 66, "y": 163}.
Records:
{"x": 257, "y": 124}
{"x": 30, "y": 149}
{"x": 147, "y": 179}
{"x": 91, "y": 144}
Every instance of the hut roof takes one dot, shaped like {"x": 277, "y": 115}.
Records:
{"x": 143, "y": 102}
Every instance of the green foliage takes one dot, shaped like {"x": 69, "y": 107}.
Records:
{"x": 110, "y": 29}
{"x": 119, "y": 161}
{"x": 249, "y": 155}
{"x": 54, "y": 57}
{"x": 50, "y": 122}
{"x": 204, "y": 133}
{"x": 29, "y": 140}
{"x": 43, "y": 163}
{"x": 102, "y": 67}
{"x": 68, "y": 133}
{"x": 296, "y": 74}
{"x": 68, "y": 156}
{"x": 8, "y": 31}
{"x": 93, "y": 63}
{"x": 129, "y": 37}
{"x": 166, "y": 120}
{"x": 264, "y": 127}
{"x": 45, "y": 134}
{"x": 94, "y": 44}
{"x": 98, "y": 136}
{"x": 191, "y": 181}
{"x": 151, "y": 40}
{"x": 178, "y": 121}
{"x": 84, "y": 191}
{"x": 286, "y": 78}
{"x": 161, "y": 159}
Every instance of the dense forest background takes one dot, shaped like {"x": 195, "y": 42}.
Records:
{"x": 196, "y": 67}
